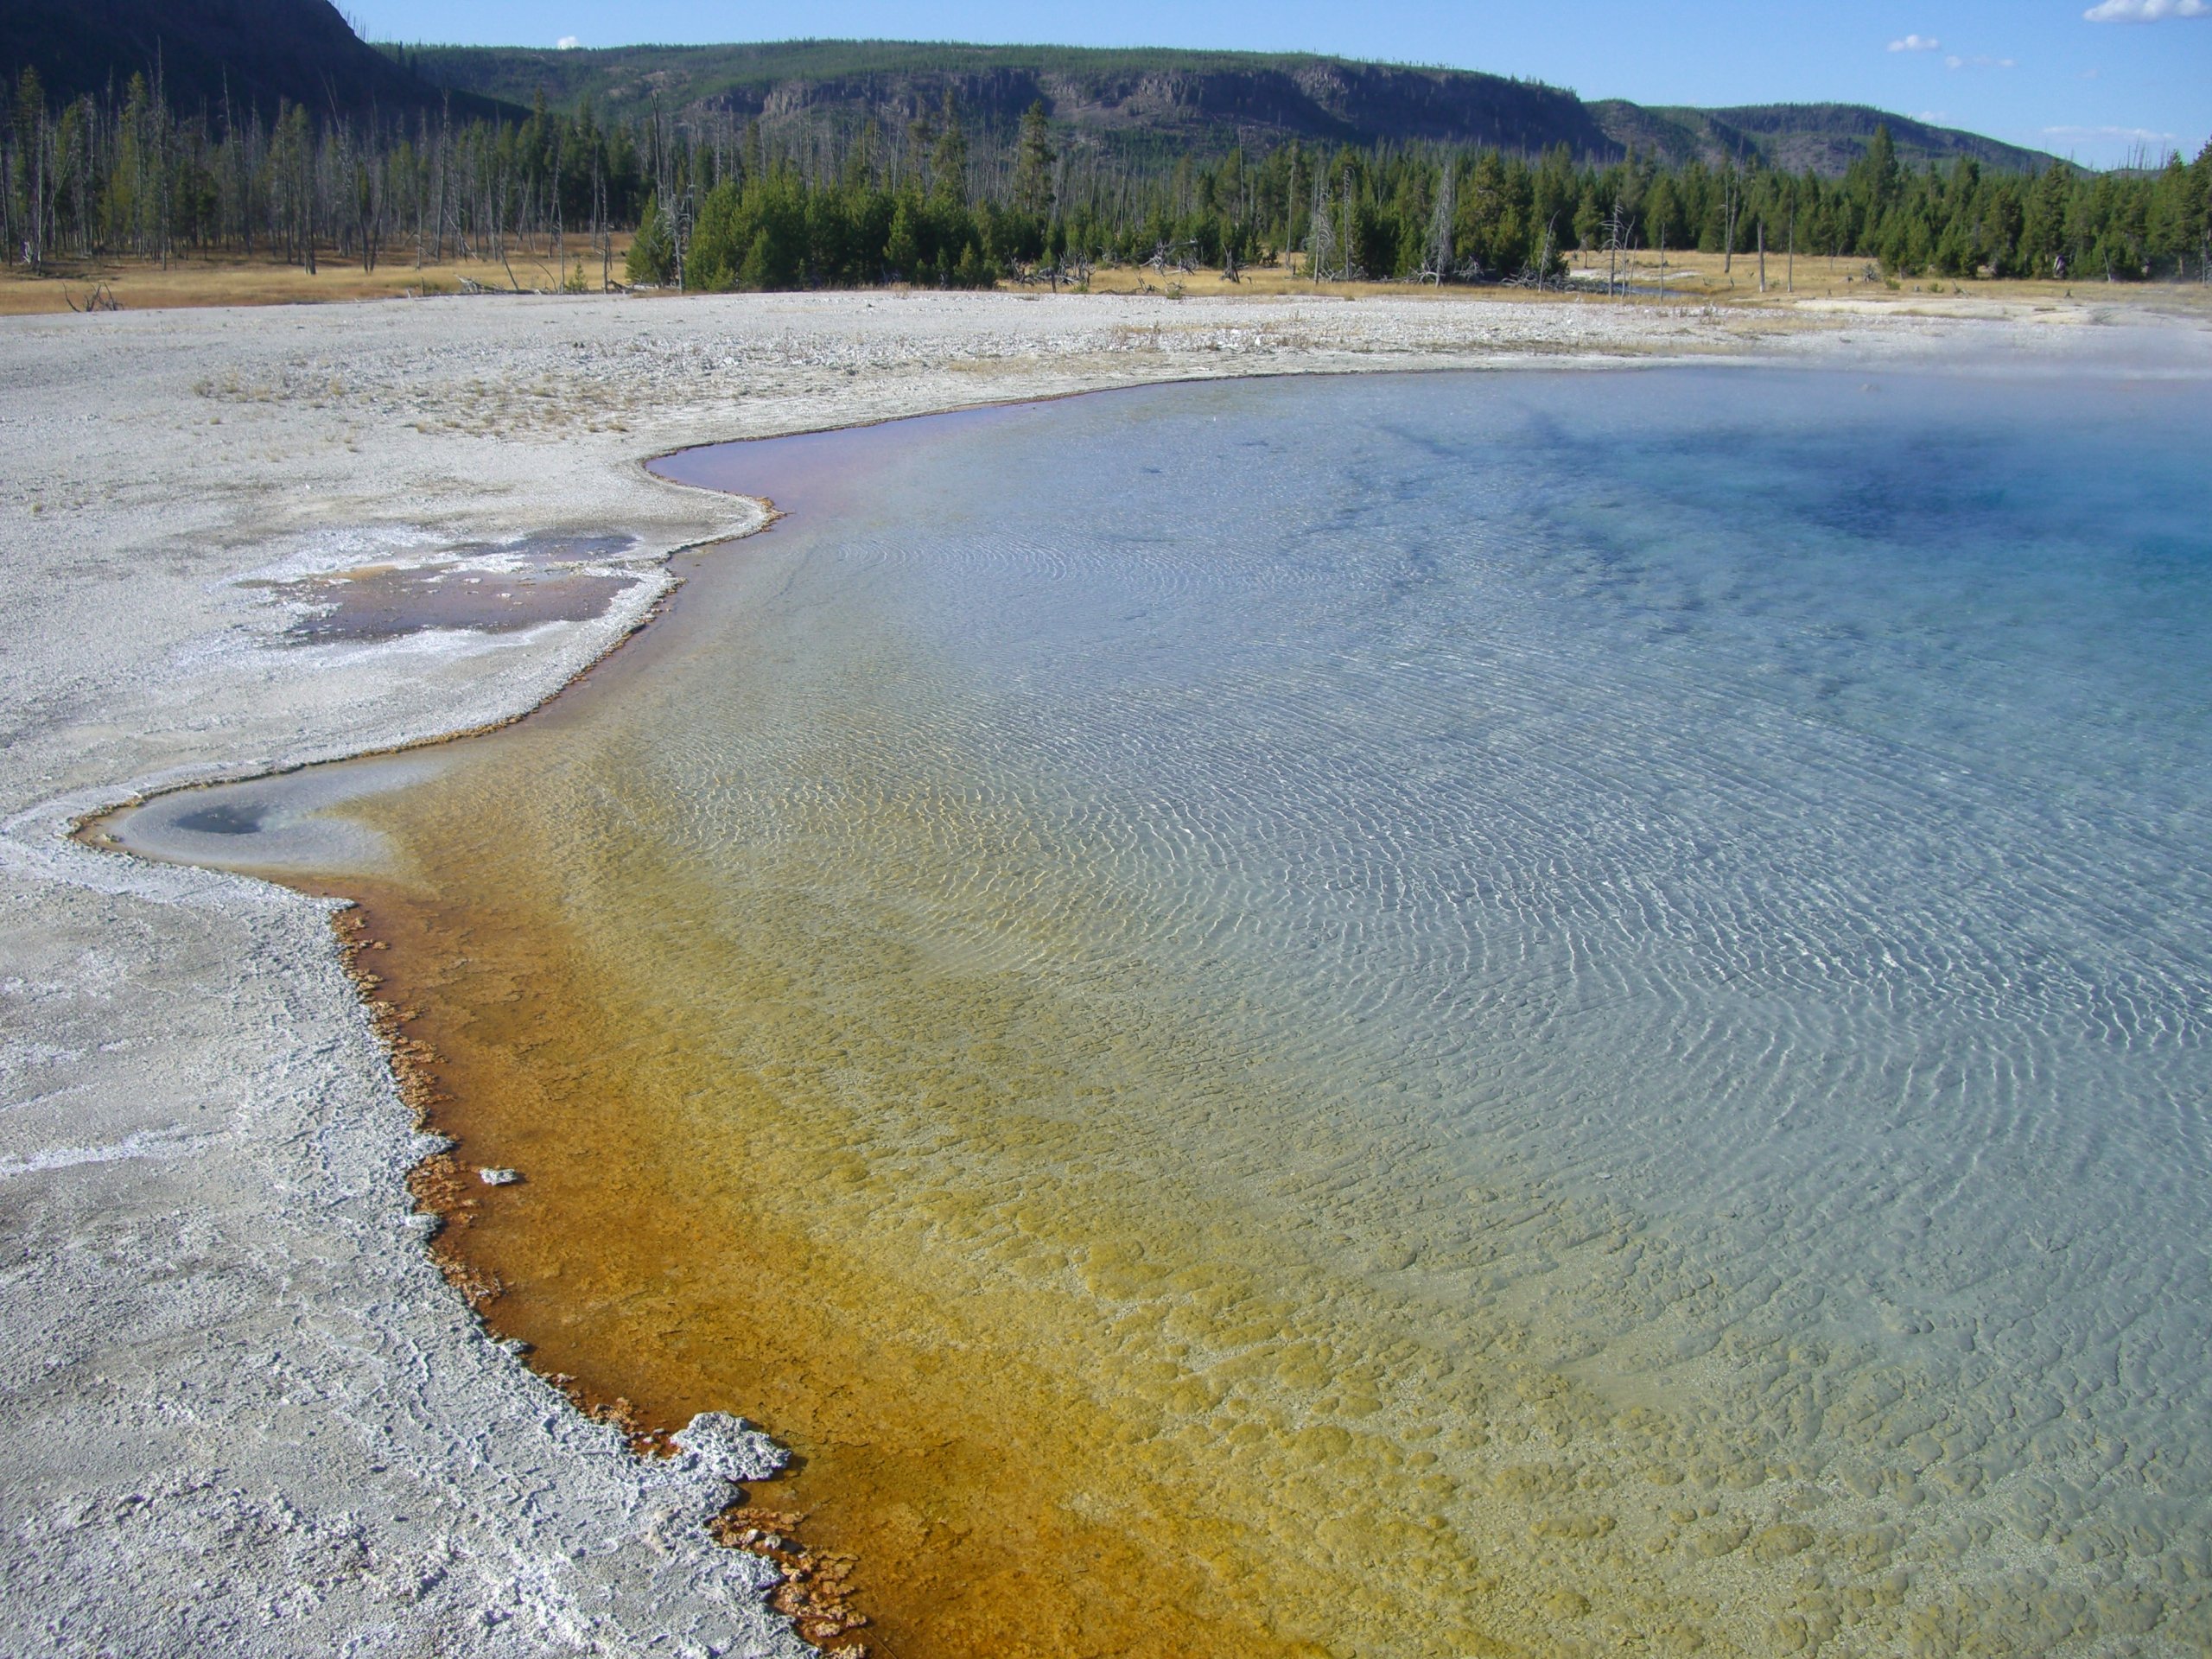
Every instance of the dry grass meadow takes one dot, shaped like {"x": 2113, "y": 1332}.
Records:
{"x": 135, "y": 285}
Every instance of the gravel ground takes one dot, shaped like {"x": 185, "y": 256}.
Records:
{"x": 242, "y": 1412}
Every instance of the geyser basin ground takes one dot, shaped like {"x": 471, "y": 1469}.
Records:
{"x": 1375, "y": 1016}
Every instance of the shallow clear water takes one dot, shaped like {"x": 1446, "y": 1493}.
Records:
{"x": 1616, "y": 964}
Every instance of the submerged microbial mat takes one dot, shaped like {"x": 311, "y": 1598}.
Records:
{"x": 1530, "y": 1012}
{"x": 490, "y": 589}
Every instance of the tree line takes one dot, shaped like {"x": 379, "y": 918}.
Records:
{"x": 126, "y": 174}
{"x": 709, "y": 204}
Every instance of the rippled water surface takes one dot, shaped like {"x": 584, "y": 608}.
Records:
{"x": 1385, "y": 1016}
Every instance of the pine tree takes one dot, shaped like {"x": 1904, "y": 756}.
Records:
{"x": 949, "y": 160}
{"x": 1878, "y": 176}
{"x": 758, "y": 271}
{"x": 902, "y": 249}
{"x": 1033, "y": 166}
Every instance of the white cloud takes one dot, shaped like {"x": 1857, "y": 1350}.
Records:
{"x": 1917, "y": 43}
{"x": 1955, "y": 63}
{"x": 2114, "y": 135}
{"x": 567, "y": 43}
{"x": 2146, "y": 11}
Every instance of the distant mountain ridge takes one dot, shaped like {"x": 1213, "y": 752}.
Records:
{"x": 1184, "y": 98}
{"x": 1142, "y": 102}
{"x": 1823, "y": 138}
{"x": 1206, "y": 100}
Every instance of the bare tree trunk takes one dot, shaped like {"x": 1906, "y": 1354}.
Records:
{"x": 560, "y": 246}
{"x": 1728, "y": 232}
{"x": 1441, "y": 261}
{"x": 38, "y": 188}
{"x": 1762, "y": 256}
{"x": 161, "y": 115}
{"x": 1321, "y": 231}
{"x": 445, "y": 163}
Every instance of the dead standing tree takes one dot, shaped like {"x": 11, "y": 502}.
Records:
{"x": 1617, "y": 247}
{"x": 602, "y": 230}
{"x": 1731, "y": 204}
{"x": 1438, "y": 264}
{"x": 1321, "y": 231}
{"x": 36, "y": 150}
{"x": 1538, "y": 276}
{"x": 1180, "y": 257}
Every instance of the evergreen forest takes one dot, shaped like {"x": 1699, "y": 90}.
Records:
{"x": 713, "y": 204}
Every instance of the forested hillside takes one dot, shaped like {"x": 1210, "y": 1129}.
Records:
{"x": 952, "y": 193}
{"x": 1190, "y": 103}
{"x": 213, "y": 53}
{"x": 1822, "y": 138}
{"x": 1196, "y": 104}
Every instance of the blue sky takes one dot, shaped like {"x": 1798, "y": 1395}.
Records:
{"x": 2032, "y": 71}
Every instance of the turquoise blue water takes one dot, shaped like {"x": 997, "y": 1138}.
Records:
{"x": 1697, "y": 881}
{"x": 1787, "y": 791}
{"x": 1774, "y": 806}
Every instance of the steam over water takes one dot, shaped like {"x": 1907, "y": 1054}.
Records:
{"x": 1566, "y": 1008}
